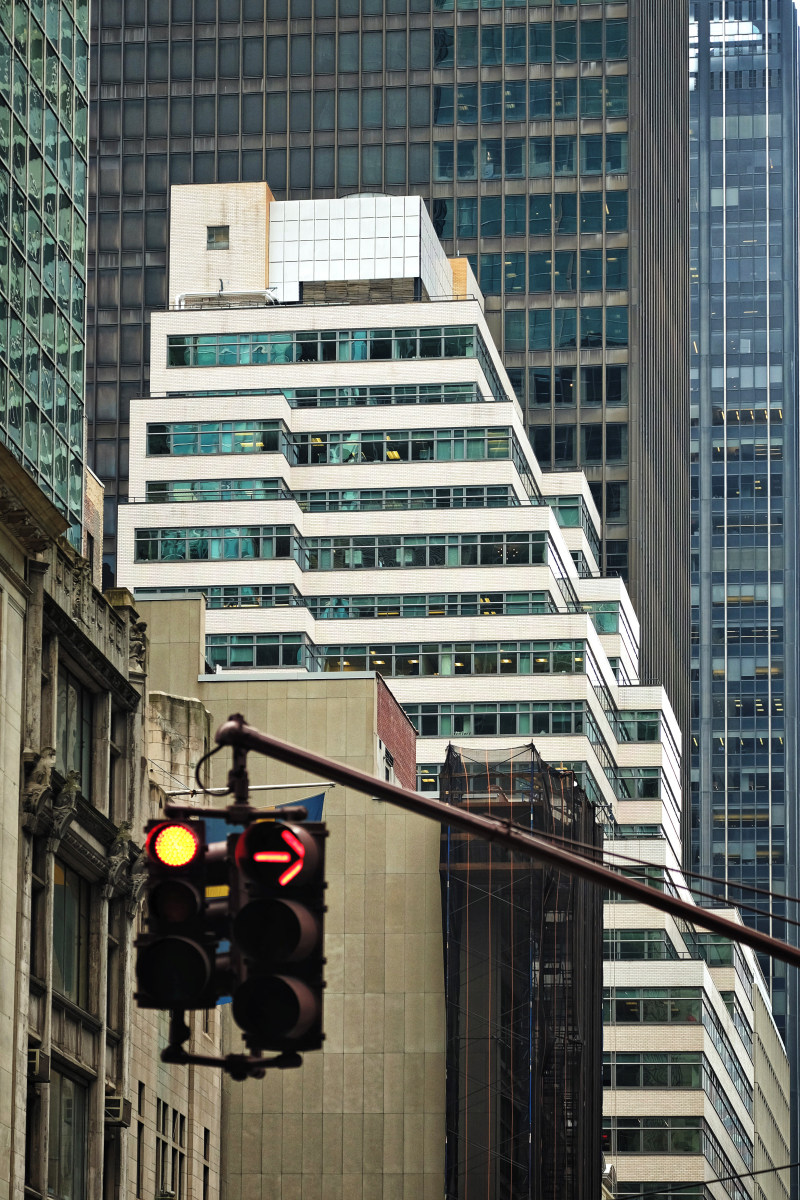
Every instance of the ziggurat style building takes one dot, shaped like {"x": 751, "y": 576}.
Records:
{"x": 331, "y": 478}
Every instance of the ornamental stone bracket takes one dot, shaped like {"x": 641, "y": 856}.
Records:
{"x": 37, "y": 789}
{"x": 65, "y": 804}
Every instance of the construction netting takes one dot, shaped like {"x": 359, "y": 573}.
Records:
{"x": 523, "y": 979}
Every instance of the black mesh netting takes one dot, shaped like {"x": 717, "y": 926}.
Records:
{"x": 523, "y": 970}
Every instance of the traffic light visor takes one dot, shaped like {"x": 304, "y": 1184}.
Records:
{"x": 173, "y": 845}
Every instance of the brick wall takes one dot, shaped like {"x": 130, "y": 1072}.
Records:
{"x": 398, "y": 736}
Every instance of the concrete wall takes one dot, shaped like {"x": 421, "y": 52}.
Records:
{"x": 365, "y": 1118}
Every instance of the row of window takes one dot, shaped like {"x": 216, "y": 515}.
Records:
{"x": 547, "y": 272}
{"x": 405, "y": 660}
{"x": 330, "y": 345}
{"x": 548, "y": 386}
{"x": 331, "y": 500}
{"x": 561, "y": 329}
{"x": 383, "y": 394}
{"x": 492, "y": 720}
{"x": 533, "y": 158}
{"x": 523, "y": 548}
{"x": 539, "y": 215}
{"x": 512, "y": 100}
{"x": 660, "y": 1006}
{"x": 565, "y": 439}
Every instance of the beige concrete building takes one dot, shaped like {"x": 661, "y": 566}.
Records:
{"x": 87, "y": 1111}
{"x": 365, "y": 1118}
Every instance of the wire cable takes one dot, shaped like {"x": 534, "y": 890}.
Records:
{"x": 200, "y": 762}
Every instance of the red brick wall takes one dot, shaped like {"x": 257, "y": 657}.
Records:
{"x": 398, "y": 736}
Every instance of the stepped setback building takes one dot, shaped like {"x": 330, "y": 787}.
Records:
{"x": 331, "y": 477}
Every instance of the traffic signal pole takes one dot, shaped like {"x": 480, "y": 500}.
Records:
{"x": 243, "y": 737}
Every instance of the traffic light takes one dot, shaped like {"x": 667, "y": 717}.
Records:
{"x": 277, "y": 932}
{"x": 176, "y": 965}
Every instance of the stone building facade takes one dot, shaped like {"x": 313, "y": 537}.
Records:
{"x": 86, "y": 1108}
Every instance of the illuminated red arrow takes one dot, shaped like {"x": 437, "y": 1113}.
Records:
{"x": 283, "y": 856}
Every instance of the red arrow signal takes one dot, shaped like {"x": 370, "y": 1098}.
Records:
{"x": 284, "y": 856}
{"x": 277, "y": 853}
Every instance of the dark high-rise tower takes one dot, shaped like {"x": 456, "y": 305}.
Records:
{"x": 549, "y": 141}
{"x": 744, "y": 128}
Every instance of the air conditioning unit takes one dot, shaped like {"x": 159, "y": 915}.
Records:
{"x": 38, "y": 1066}
{"x": 117, "y": 1111}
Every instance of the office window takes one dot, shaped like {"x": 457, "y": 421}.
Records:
{"x": 540, "y": 104}
{"x": 564, "y": 156}
{"x": 348, "y": 109}
{"x": 540, "y": 271}
{"x": 490, "y": 279}
{"x": 617, "y": 325}
{"x": 441, "y": 210}
{"x": 467, "y": 104}
{"x": 491, "y": 45}
{"x": 565, "y": 212}
{"x": 515, "y": 215}
{"x": 419, "y": 167}
{"x": 372, "y": 51}
{"x": 516, "y": 44}
{"x": 276, "y": 56}
{"x": 540, "y": 211}
{"x": 616, "y": 39}
{"x": 539, "y": 336}
{"x": 514, "y": 330}
{"x": 592, "y": 154}
{"x": 542, "y": 445}
{"x": 419, "y": 49}
{"x": 591, "y": 212}
{"x": 299, "y": 112}
{"x": 324, "y": 54}
{"x": 616, "y": 503}
{"x": 491, "y": 158}
{"x": 540, "y": 157}
{"x": 591, "y": 41}
{"x": 565, "y": 274}
{"x": 592, "y": 270}
{"x": 491, "y": 102}
{"x": 592, "y": 97}
{"x": 591, "y": 444}
{"x": 467, "y": 160}
{"x": 539, "y": 386}
{"x": 514, "y": 272}
{"x": 564, "y": 386}
{"x": 565, "y": 98}
{"x": 617, "y": 96}
{"x": 491, "y": 218}
{"x": 372, "y": 108}
{"x": 566, "y": 47}
{"x": 616, "y": 385}
{"x": 467, "y": 217}
{"x": 540, "y": 42}
{"x": 591, "y": 328}
{"x": 616, "y": 443}
{"x": 616, "y": 212}
{"x": 443, "y": 160}
{"x": 71, "y": 903}
{"x": 66, "y": 1163}
{"x": 252, "y": 114}
{"x": 419, "y": 106}
{"x": 467, "y": 47}
{"x": 396, "y": 50}
{"x": 442, "y": 104}
{"x": 617, "y": 152}
{"x": 514, "y": 151}
{"x": 616, "y": 268}
{"x": 74, "y": 711}
{"x": 564, "y": 446}
{"x": 591, "y": 385}
{"x": 370, "y": 166}
{"x": 395, "y": 164}
{"x": 566, "y": 328}
{"x": 228, "y": 113}
{"x": 395, "y": 108}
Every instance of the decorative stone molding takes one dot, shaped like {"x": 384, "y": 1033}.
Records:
{"x": 37, "y": 789}
{"x": 65, "y": 804}
{"x": 137, "y": 647}
{"x": 118, "y": 867}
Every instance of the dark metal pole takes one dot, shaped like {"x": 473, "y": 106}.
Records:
{"x": 236, "y": 733}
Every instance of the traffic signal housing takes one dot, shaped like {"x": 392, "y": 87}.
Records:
{"x": 176, "y": 965}
{"x": 277, "y": 934}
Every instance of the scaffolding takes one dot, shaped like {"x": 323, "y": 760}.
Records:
{"x": 523, "y": 982}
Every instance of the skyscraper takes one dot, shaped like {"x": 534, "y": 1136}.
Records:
{"x": 43, "y": 130}
{"x": 548, "y": 142}
{"x": 744, "y": 83}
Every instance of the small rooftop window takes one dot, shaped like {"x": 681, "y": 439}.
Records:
{"x": 217, "y": 237}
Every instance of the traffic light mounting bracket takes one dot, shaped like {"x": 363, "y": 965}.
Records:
{"x": 238, "y": 1066}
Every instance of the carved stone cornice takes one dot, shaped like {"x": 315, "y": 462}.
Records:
{"x": 88, "y": 653}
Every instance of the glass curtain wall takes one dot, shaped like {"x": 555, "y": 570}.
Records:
{"x": 43, "y": 186}
{"x": 744, "y": 451}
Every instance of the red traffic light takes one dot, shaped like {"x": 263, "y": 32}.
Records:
{"x": 173, "y": 844}
{"x": 275, "y": 854}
